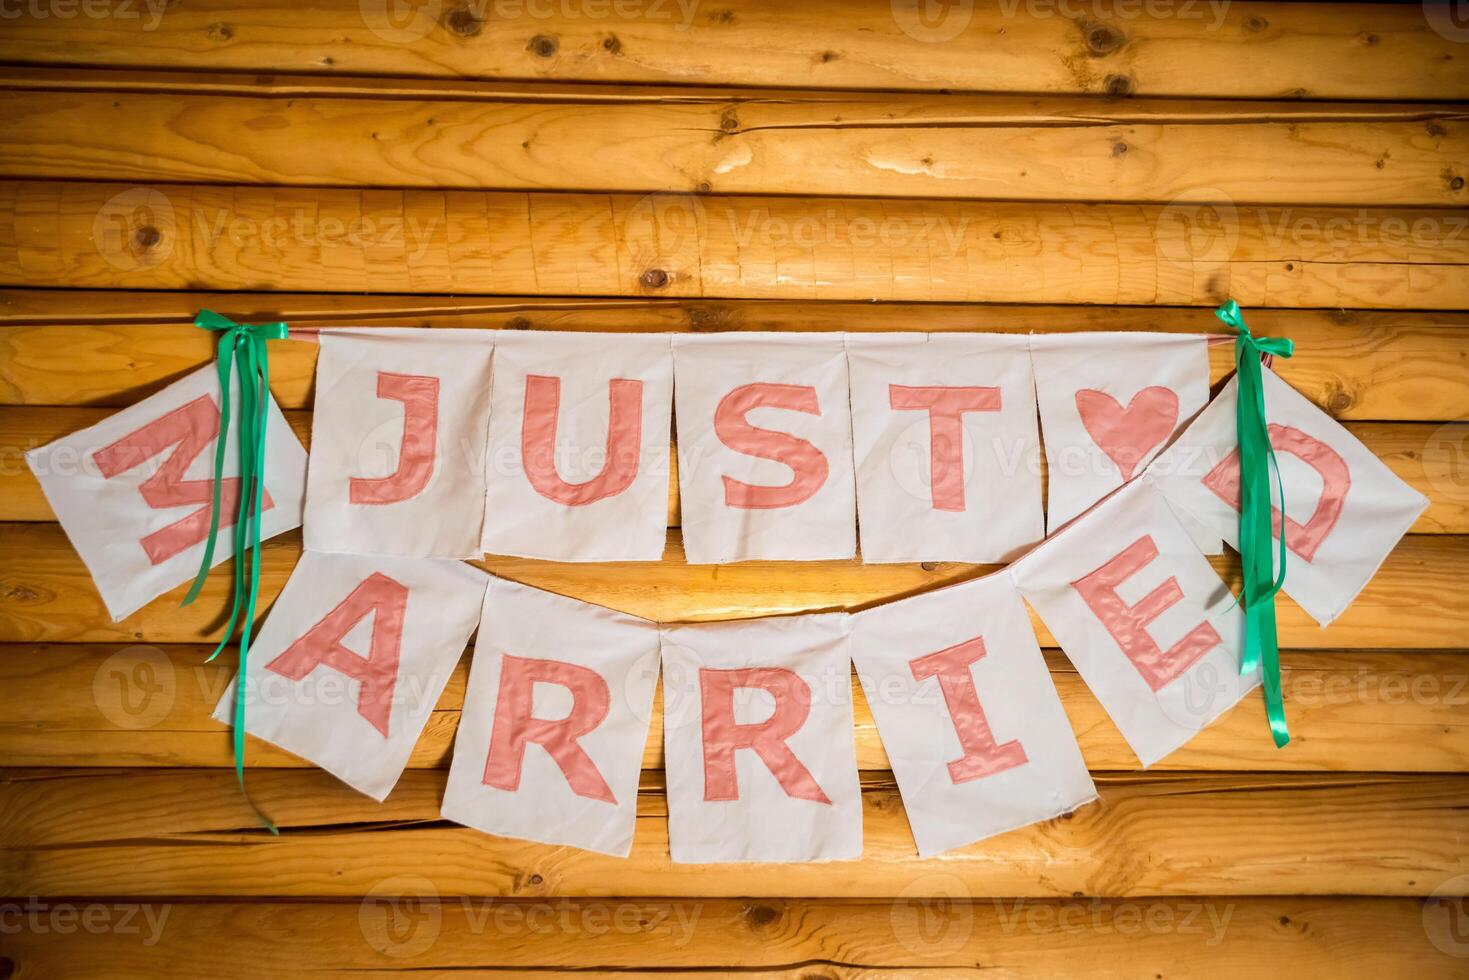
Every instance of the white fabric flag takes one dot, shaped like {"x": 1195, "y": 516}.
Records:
{"x": 1138, "y": 609}
{"x": 757, "y": 731}
{"x": 1344, "y": 509}
{"x": 353, "y": 658}
{"x": 398, "y": 442}
{"x": 947, "y": 447}
{"x": 764, "y": 447}
{"x": 965, "y": 706}
{"x": 133, "y": 492}
{"x": 551, "y": 739}
{"x": 1109, "y": 402}
{"x": 579, "y": 446}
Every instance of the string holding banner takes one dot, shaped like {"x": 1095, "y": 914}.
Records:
{"x": 1264, "y": 573}
{"x": 241, "y": 346}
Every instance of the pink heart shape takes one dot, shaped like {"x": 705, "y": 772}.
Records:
{"x": 1128, "y": 434}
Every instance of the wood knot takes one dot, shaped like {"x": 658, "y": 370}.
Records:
{"x": 709, "y": 318}
{"x": 611, "y": 44}
{"x": 761, "y": 915}
{"x": 542, "y": 46}
{"x": 654, "y": 279}
{"x": 1256, "y": 24}
{"x": 703, "y": 187}
{"x": 1103, "y": 39}
{"x": 1119, "y": 149}
{"x": 219, "y": 32}
{"x": 463, "y": 22}
{"x": 730, "y": 121}
{"x": 1340, "y": 402}
{"x": 928, "y": 566}
{"x": 1117, "y": 85}
{"x": 1456, "y": 184}
{"x": 518, "y": 323}
{"x": 147, "y": 236}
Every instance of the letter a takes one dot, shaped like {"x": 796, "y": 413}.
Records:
{"x": 387, "y": 602}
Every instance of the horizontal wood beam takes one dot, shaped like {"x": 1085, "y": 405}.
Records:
{"x": 405, "y": 924}
{"x": 1419, "y": 599}
{"x": 112, "y": 348}
{"x": 109, "y": 236}
{"x": 860, "y": 144}
{"x": 1236, "y": 50}
{"x": 1426, "y": 456}
{"x": 149, "y": 706}
{"x": 189, "y": 833}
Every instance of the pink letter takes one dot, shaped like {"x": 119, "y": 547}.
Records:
{"x": 1336, "y": 480}
{"x": 723, "y": 737}
{"x": 982, "y": 757}
{"x": 808, "y": 464}
{"x": 538, "y": 441}
{"x": 387, "y": 601}
{"x": 420, "y": 398}
{"x": 514, "y": 725}
{"x": 1128, "y": 624}
{"x": 946, "y": 407}
{"x": 191, "y": 428}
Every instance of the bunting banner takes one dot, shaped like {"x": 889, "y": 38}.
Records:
{"x": 550, "y": 741}
{"x": 1109, "y": 402}
{"x": 398, "y": 440}
{"x": 133, "y": 492}
{"x": 757, "y": 741}
{"x": 974, "y": 731}
{"x": 946, "y": 445}
{"x": 353, "y": 658}
{"x": 580, "y": 451}
{"x": 435, "y": 445}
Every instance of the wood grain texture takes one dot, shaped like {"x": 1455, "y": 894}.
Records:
{"x": 388, "y": 936}
{"x": 891, "y": 146}
{"x": 113, "y": 348}
{"x": 139, "y": 705}
{"x": 1236, "y": 50}
{"x": 1430, "y": 458}
{"x": 97, "y": 235}
{"x": 188, "y": 832}
{"x": 1419, "y": 599}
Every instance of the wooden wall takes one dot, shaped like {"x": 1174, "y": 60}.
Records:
{"x": 741, "y": 164}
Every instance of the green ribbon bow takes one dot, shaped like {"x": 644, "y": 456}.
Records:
{"x": 241, "y": 345}
{"x": 1256, "y": 522}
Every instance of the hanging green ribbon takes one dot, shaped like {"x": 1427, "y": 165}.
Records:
{"x": 1264, "y": 567}
{"x": 242, "y": 346}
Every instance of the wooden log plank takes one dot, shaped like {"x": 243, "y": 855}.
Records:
{"x": 1426, "y": 456}
{"x": 892, "y": 146}
{"x": 404, "y": 926}
{"x": 149, "y": 706}
{"x": 71, "y": 348}
{"x": 1419, "y": 599}
{"x": 188, "y": 833}
{"x": 97, "y": 235}
{"x": 1241, "y": 50}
